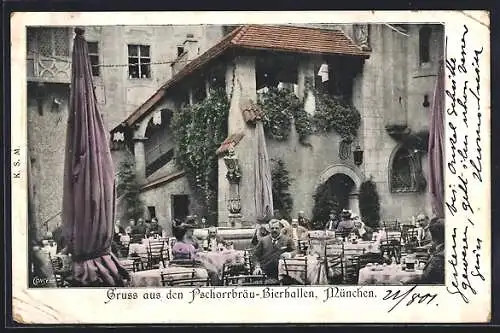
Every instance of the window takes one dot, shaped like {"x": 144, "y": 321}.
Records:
{"x": 180, "y": 50}
{"x": 402, "y": 171}
{"x": 139, "y": 62}
{"x": 94, "y": 57}
{"x": 49, "y": 42}
{"x": 159, "y": 146}
{"x": 424, "y": 44}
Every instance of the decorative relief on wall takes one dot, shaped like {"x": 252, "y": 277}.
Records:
{"x": 51, "y": 69}
{"x": 362, "y": 36}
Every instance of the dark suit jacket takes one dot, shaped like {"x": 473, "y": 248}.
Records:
{"x": 434, "y": 270}
{"x": 268, "y": 254}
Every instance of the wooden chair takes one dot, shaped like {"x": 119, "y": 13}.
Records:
{"x": 172, "y": 279}
{"x": 391, "y": 248}
{"x": 333, "y": 247}
{"x": 296, "y": 265}
{"x": 334, "y": 263}
{"x": 155, "y": 253}
{"x": 351, "y": 270}
{"x": 245, "y": 280}
{"x": 391, "y": 225}
{"x": 353, "y": 252}
{"x": 185, "y": 263}
{"x": 370, "y": 258}
{"x": 128, "y": 264}
{"x": 57, "y": 270}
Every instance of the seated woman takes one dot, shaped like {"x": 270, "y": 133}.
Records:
{"x": 183, "y": 248}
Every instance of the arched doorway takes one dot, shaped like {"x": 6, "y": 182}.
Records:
{"x": 336, "y": 193}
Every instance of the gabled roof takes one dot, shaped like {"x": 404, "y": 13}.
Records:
{"x": 261, "y": 37}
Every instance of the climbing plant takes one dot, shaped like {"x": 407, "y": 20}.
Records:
{"x": 280, "y": 106}
{"x": 369, "y": 203}
{"x": 128, "y": 189}
{"x": 282, "y": 199}
{"x": 337, "y": 115}
{"x": 199, "y": 129}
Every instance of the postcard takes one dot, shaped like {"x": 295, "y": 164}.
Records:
{"x": 209, "y": 167}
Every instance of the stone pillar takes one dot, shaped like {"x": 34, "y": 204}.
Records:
{"x": 242, "y": 74}
{"x": 354, "y": 203}
{"x": 140, "y": 158}
{"x": 305, "y": 82}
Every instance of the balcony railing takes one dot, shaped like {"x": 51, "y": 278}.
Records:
{"x": 48, "y": 69}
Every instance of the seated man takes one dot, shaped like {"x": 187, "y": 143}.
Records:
{"x": 261, "y": 231}
{"x": 295, "y": 231}
{"x": 425, "y": 238}
{"x": 138, "y": 231}
{"x": 269, "y": 250}
{"x": 213, "y": 239}
{"x": 303, "y": 221}
{"x": 434, "y": 269}
{"x": 154, "y": 227}
{"x": 332, "y": 223}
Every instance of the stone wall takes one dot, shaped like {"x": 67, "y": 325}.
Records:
{"x": 46, "y": 146}
{"x": 161, "y": 198}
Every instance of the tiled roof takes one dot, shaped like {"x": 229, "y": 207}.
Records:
{"x": 261, "y": 37}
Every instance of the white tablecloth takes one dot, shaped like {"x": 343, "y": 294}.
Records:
{"x": 389, "y": 275}
{"x": 350, "y": 249}
{"x": 214, "y": 260}
{"x": 152, "y": 277}
{"x": 315, "y": 271}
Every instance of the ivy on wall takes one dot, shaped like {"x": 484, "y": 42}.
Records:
{"x": 128, "y": 188}
{"x": 280, "y": 106}
{"x": 199, "y": 130}
{"x": 282, "y": 199}
{"x": 334, "y": 114}
{"x": 369, "y": 204}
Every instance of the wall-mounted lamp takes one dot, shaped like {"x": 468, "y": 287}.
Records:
{"x": 358, "y": 156}
{"x": 56, "y": 103}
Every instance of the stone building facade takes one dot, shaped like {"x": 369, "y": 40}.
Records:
{"x": 391, "y": 87}
{"x": 120, "y": 89}
{"x": 394, "y": 70}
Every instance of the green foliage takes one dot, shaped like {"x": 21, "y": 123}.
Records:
{"x": 280, "y": 107}
{"x": 334, "y": 114}
{"x": 199, "y": 130}
{"x": 128, "y": 188}
{"x": 369, "y": 204}
{"x": 282, "y": 199}
{"x": 325, "y": 202}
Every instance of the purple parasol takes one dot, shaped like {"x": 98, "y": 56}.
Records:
{"x": 89, "y": 184}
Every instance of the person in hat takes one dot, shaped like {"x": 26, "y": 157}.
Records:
{"x": 190, "y": 225}
{"x": 361, "y": 229}
{"x": 346, "y": 224}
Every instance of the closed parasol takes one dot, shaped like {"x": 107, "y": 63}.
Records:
{"x": 89, "y": 182}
